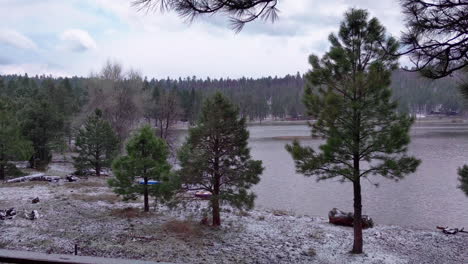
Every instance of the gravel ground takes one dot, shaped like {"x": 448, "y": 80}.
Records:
{"x": 87, "y": 213}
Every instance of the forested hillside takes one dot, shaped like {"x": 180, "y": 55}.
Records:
{"x": 275, "y": 97}
{"x": 416, "y": 94}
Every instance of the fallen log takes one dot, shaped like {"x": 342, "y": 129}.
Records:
{"x": 338, "y": 217}
{"x": 35, "y": 177}
{"x": 451, "y": 231}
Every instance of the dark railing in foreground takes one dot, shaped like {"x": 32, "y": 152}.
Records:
{"x": 26, "y": 257}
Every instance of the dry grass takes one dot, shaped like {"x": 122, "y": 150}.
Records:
{"x": 183, "y": 228}
{"x": 30, "y": 184}
{"x": 280, "y": 213}
{"x": 109, "y": 198}
{"x": 86, "y": 183}
{"x": 317, "y": 234}
{"x": 243, "y": 213}
{"x": 128, "y": 212}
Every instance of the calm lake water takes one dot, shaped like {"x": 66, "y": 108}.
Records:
{"x": 425, "y": 199}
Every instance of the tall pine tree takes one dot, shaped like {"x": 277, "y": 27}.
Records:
{"x": 12, "y": 144}
{"x": 348, "y": 91}
{"x": 43, "y": 126}
{"x": 96, "y": 144}
{"x": 216, "y": 158}
{"x": 146, "y": 159}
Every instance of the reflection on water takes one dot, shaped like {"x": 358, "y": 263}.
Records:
{"x": 425, "y": 199}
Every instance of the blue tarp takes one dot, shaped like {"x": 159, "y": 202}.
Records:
{"x": 149, "y": 182}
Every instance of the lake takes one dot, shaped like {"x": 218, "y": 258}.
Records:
{"x": 425, "y": 199}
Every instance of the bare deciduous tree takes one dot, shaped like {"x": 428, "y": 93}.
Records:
{"x": 118, "y": 95}
{"x": 165, "y": 109}
{"x": 169, "y": 112}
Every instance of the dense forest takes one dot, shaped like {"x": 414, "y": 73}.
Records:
{"x": 257, "y": 99}
{"x": 48, "y": 111}
{"x": 416, "y": 94}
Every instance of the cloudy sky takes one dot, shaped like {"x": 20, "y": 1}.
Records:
{"x": 76, "y": 37}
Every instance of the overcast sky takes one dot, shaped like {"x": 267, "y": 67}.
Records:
{"x": 76, "y": 37}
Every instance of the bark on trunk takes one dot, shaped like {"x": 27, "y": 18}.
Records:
{"x": 2, "y": 166}
{"x": 215, "y": 203}
{"x": 2, "y": 171}
{"x": 146, "y": 195}
{"x": 216, "y": 213}
{"x": 358, "y": 241}
{"x": 98, "y": 170}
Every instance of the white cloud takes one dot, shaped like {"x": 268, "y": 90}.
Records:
{"x": 78, "y": 40}
{"x": 162, "y": 44}
{"x": 32, "y": 69}
{"x": 16, "y": 39}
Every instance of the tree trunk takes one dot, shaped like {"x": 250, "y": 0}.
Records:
{"x": 358, "y": 241}
{"x": 146, "y": 195}
{"x": 2, "y": 165}
{"x": 166, "y": 129}
{"x": 2, "y": 171}
{"x": 97, "y": 155}
{"x": 161, "y": 132}
{"x": 215, "y": 203}
{"x": 98, "y": 170}
{"x": 32, "y": 163}
{"x": 216, "y": 213}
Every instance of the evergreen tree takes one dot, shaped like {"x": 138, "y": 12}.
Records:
{"x": 436, "y": 38}
{"x": 96, "y": 144}
{"x": 146, "y": 159}
{"x": 348, "y": 91}
{"x": 12, "y": 145}
{"x": 216, "y": 158}
{"x": 43, "y": 126}
{"x": 463, "y": 173}
{"x": 67, "y": 104}
{"x": 2, "y": 86}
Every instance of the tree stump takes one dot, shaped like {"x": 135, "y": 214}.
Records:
{"x": 338, "y": 217}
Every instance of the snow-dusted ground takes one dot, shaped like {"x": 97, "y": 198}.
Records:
{"x": 88, "y": 214}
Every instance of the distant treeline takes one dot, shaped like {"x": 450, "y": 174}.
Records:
{"x": 416, "y": 94}
{"x": 257, "y": 99}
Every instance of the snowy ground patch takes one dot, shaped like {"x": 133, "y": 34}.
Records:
{"x": 88, "y": 214}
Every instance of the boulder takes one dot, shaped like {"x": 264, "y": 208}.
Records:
{"x": 32, "y": 216}
{"x": 7, "y": 214}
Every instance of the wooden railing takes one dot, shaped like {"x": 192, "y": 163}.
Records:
{"x": 27, "y": 257}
